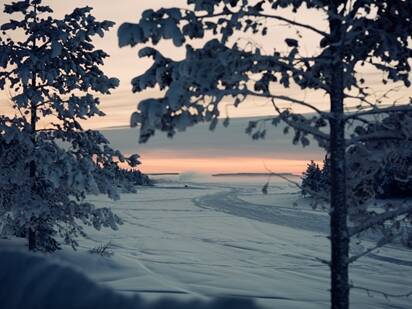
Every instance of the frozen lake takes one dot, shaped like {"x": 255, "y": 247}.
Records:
{"x": 192, "y": 236}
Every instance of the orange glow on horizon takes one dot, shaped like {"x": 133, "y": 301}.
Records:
{"x": 222, "y": 165}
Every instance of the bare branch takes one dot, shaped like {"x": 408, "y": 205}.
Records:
{"x": 323, "y": 261}
{"x": 292, "y": 22}
{"x": 282, "y": 177}
{"x": 270, "y": 16}
{"x": 380, "y": 244}
{"x": 315, "y": 194}
{"x": 361, "y": 98}
{"x": 291, "y": 100}
{"x": 247, "y": 92}
{"x": 384, "y": 294}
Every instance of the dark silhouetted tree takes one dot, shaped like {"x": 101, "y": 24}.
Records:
{"x": 370, "y": 33}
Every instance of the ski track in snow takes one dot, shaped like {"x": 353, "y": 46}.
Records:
{"x": 229, "y": 202}
{"x": 293, "y": 216}
{"x": 211, "y": 239}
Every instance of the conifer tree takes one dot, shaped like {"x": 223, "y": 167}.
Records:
{"x": 312, "y": 179}
{"x": 48, "y": 162}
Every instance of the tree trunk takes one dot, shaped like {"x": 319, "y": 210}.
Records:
{"x": 32, "y": 230}
{"x": 32, "y": 239}
{"x": 339, "y": 235}
{"x": 33, "y": 121}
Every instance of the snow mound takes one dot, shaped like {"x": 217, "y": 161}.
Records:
{"x": 31, "y": 281}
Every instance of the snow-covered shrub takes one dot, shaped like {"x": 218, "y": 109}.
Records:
{"x": 52, "y": 70}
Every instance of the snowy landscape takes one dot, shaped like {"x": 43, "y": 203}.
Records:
{"x": 227, "y": 239}
{"x": 198, "y": 237}
{"x": 207, "y": 154}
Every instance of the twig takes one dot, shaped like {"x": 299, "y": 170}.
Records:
{"x": 380, "y": 244}
{"x": 323, "y": 261}
{"x": 312, "y": 193}
{"x": 384, "y": 294}
{"x": 303, "y": 128}
{"x": 277, "y": 17}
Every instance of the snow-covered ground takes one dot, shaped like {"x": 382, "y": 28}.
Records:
{"x": 221, "y": 236}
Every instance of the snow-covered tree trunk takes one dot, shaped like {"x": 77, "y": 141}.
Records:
{"x": 339, "y": 235}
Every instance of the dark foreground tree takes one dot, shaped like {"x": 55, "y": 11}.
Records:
{"x": 51, "y": 70}
{"x": 373, "y": 34}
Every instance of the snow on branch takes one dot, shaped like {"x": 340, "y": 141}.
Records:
{"x": 380, "y": 111}
{"x": 378, "y": 219}
{"x": 378, "y": 136}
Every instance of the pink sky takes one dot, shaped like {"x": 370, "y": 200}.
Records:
{"x": 125, "y": 64}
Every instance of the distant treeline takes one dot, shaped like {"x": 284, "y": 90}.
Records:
{"x": 252, "y": 174}
{"x": 386, "y": 182}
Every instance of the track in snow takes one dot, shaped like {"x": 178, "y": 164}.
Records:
{"x": 229, "y": 202}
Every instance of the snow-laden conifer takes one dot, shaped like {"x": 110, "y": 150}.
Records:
{"x": 51, "y": 70}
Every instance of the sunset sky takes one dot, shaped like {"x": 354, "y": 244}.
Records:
{"x": 124, "y": 64}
